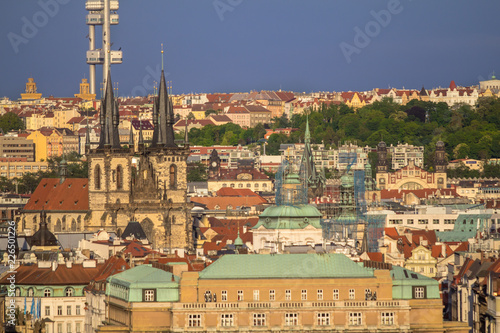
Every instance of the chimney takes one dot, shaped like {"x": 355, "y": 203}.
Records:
{"x": 69, "y": 264}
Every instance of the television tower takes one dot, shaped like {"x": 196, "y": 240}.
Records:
{"x": 100, "y": 14}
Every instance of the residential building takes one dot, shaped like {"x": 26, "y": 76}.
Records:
{"x": 402, "y": 154}
{"x": 16, "y": 145}
{"x": 16, "y": 167}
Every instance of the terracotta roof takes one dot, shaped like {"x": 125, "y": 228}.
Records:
{"x": 375, "y": 256}
{"x": 32, "y": 274}
{"x": 437, "y": 251}
{"x": 137, "y": 250}
{"x": 231, "y": 174}
{"x": 51, "y": 195}
{"x": 112, "y": 266}
{"x": 392, "y": 232}
{"x": 223, "y": 202}
{"x": 234, "y": 192}
{"x": 145, "y": 124}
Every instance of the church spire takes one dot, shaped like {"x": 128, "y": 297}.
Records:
{"x": 163, "y": 134}
{"x": 307, "y": 134}
{"x": 186, "y": 140}
{"x": 109, "y": 118}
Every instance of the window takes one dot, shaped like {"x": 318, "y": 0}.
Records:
{"x": 259, "y": 319}
{"x": 173, "y": 177}
{"x": 77, "y": 310}
{"x": 431, "y": 270}
{"x": 335, "y": 294}
{"x": 194, "y": 320}
{"x": 423, "y": 221}
{"x": 288, "y": 295}
{"x": 352, "y": 294}
{"x": 69, "y": 292}
{"x": 304, "y": 295}
{"x": 119, "y": 177}
{"x": 59, "y": 328}
{"x": 97, "y": 177}
{"x": 355, "y": 318}
{"x": 240, "y": 295}
{"x": 291, "y": 319}
{"x": 77, "y": 328}
{"x": 323, "y": 318}
{"x": 68, "y": 310}
{"x": 227, "y": 319}
{"x": 409, "y": 221}
{"x": 47, "y": 310}
{"x": 68, "y": 328}
{"x": 223, "y": 295}
{"x": 418, "y": 292}
{"x": 435, "y": 221}
{"x": 255, "y": 295}
{"x": 148, "y": 295}
{"x": 272, "y": 295}
{"x": 387, "y": 318}
{"x": 320, "y": 294}
{"x": 59, "y": 310}
{"x": 31, "y": 293}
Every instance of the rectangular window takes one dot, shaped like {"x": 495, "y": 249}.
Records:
{"x": 59, "y": 310}
{"x": 291, "y": 319}
{"x": 68, "y": 310}
{"x": 409, "y": 221}
{"x": 47, "y": 310}
{"x": 304, "y": 295}
{"x": 240, "y": 295}
{"x": 77, "y": 310}
{"x": 418, "y": 292}
{"x": 323, "y": 318}
{"x": 320, "y": 294}
{"x": 288, "y": 295}
{"x": 223, "y": 295}
{"x": 59, "y": 328}
{"x": 68, "y": 328}
{"x": 255, "y": 295}
{"x": 355, "y": 318}
{"x": 78, "y": 328}
{"x": 352, "y": 294}
{"x": 423, "y": 221}
{"x": 259, "y": 319}
{"x": 435, "y": 221}
{"x": 335, "y": 294}
{"x": 149, "y": 295}
{"x": 227, "y": 319}
{"x": 272, "y": 295}
{"x": 194, "y": 320}
{"x": 387, "y": 318}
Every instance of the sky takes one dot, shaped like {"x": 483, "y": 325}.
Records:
{"x": 244, "y": 45}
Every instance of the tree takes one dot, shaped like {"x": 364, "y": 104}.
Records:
{"x": 197, "y": 172}
{"x": 11, "y": 122}
{"x": 191, "y": 116}
{"x": 211, "y": 111}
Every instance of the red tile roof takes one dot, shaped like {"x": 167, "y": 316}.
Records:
{"x": 32, "y": 274}
{"x": 51, "y": 195}
{"x": 112, "y": 266}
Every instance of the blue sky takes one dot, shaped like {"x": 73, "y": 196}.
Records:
{"x": 243, "y": 45}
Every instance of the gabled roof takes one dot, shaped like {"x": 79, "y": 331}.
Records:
{"x": 134, "y": 229}
{"x": 137, "y": 250}
{"x": 112, "y": 266}
{"x": 51, "y": 195}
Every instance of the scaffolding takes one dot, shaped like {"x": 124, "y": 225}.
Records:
{"x": 346, "y": 218}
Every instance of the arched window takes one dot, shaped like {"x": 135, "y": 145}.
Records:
{"x": 31, "y": 292}
{"x": 68, "y": 292}
{"x": 47, "y": 292}
{"x": 119, "y": 177}
{"x": 173, "y": 176}
{"x": 18, "y": 292}
{"x": 97, "y": 177}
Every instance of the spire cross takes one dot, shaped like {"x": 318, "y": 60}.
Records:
{"x": 162, "y": 56}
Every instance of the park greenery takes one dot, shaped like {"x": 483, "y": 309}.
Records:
{"x": 468, "y": 132}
